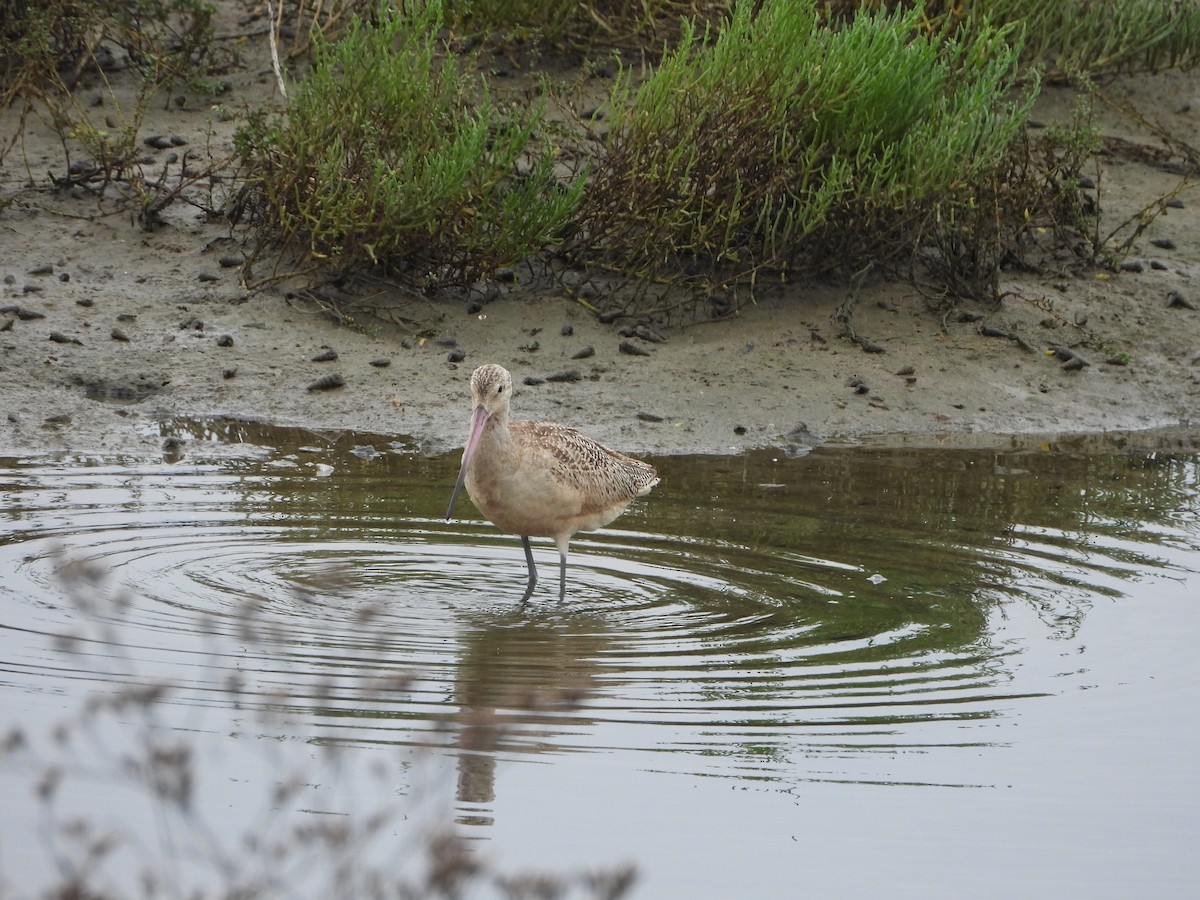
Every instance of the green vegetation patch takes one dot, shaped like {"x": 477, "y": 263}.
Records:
{"x": 1100, "y": 36}
{"x": 51, "y": 44}
{"x": 89, "y": 70}
{"x": 1069, "y": 37}
{"x": 387, "y": 156}
{"x": 782, "y": 140}
{"x": 571, "y": 22}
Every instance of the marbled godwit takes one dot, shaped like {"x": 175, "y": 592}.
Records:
{"x": 541, "y": 479}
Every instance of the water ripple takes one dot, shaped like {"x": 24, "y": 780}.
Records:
{"x": 728, "y": 641}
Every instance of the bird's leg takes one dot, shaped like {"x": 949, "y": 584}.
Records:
{"x": 532, "y": 569}
{"x": 562, "y": 540}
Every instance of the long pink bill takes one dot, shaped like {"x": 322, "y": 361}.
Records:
{"x": 477, "y": 422}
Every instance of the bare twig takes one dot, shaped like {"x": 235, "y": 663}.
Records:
{"x": 275, "y": 48}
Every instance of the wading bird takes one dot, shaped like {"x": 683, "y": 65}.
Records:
{"x": 541, "y": 479}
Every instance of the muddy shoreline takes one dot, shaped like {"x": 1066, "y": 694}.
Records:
{"x": 109, "y": 330}
{"x": 777, "y": 376}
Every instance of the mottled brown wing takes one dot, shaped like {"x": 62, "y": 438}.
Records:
{"x": 605, "y": 476}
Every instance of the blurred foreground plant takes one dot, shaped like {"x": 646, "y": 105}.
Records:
{"x": 140, "y": 740}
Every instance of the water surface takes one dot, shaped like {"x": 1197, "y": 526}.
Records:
{"x": 887, "y": 671}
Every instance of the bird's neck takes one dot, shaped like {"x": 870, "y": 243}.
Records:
{"x": 496, "y": 428}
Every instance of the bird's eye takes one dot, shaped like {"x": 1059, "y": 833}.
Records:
{"x": 499, "y": 389}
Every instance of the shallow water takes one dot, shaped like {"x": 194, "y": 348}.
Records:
{"x": 902, "y": 672}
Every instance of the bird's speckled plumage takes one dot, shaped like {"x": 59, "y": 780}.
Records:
{"x": 541, "y": 479}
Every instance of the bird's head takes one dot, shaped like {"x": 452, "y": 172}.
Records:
{"x": 491, "y": 386}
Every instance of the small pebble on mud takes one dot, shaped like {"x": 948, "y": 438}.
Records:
{"x": 644, "y": 331}
{"x": 1163, "y": 243}
{"x": 632, "y": 349}
{"x": 228, "y": 262}
{"x": 59, "y": 338}
{"x": 43, "y": 269}
{"x": 327, "y": 382}
{"x": 85, "y": 301}
{"x": 225, "y": 340}
{"x": 586, "y": 353}
{"x": 456, "y": 355}
{"x": 25, "y": 315}
{"x": 1176, "y": 299}
{"x": 567, "y": 330}
{"x": 381, "y": 363}
{"x": 648, "y": 417}
{"x": 326, "y": 355}
{"x": 907, "y": 370}
{"x": 533, "y": 380}
{"x": 228, "y": 373}
{"x": 531, "y": 347}
{"x": 118, "y": 335}
{"x": 1061, "y": 352}
{"x": 1071, "y": 360}
{"x": 561, "y": 377}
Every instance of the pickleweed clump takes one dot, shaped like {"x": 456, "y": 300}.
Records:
{"x": 388, "y": 157}
{"x": 1071, "y": 38}
{"x": 784, "y": 140}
